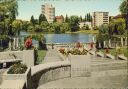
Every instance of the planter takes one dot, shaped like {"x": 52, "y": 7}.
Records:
{"x": 26, "y": 77}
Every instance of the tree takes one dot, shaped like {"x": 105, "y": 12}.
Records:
{"x": 40, "y": 18}
{"x": 66, "y": 19}
{"x": 90, "y": 17}
{"x": 38, "y": 28}
{"x": 80, "y": 19}
{"x": 117, "y": 27}
{"x": 87, "y": 27}
{"x": 44, "y": 26}
{"x": 124, "y": 7}
{"x": 17, "y": 26}
{"x": 57, "y": 28}
{"x": 74, "y": 23}
{"x": 32, "y": 20}
{"x": 103, "y": 35}
{"x": 9, "y": 8}
{"x": 8, "y": 13}
{"x": 64, "y": 27}
{"x": 25, "y": 25}
{"x": 30, "y": 28}
{"x": 124, "y": 10}
{"x": 85, "y": 19}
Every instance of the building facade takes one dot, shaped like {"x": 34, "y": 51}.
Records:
{"x": 59, "y": 19}
{"x": 100, "y": 18}
{"x": 49, "y": 11}
{"x": 82, "y": 24}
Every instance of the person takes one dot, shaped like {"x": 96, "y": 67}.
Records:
{"x": 91, "y": 45}
{"x": 52, "y": 46}
{"x": 107, "y": 50}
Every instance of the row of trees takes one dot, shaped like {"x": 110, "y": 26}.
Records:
{"x": 70, "y": 24}
{"x": 42, "y": 25}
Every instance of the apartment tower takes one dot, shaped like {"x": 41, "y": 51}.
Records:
{"x": 49, "y": 11}
{"x": 100, "y": 18}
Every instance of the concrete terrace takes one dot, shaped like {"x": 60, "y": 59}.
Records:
{"x": 90, "y": 71}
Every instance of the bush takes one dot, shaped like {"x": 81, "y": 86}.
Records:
{"x": 17, "y": 69}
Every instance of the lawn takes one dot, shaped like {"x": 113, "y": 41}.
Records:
{"x": 41, "y": 54}
{"x": 123, "y": 50}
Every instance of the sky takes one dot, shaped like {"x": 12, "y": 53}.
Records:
{"x": 27, "y": 8}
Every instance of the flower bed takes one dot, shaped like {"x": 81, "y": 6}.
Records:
{"x": 74, "y": 51}
{"x": 17, "y": 69}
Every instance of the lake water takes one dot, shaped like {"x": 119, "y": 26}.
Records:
{"x": 66, "y": 38}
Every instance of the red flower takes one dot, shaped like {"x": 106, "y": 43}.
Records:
{"x": 62, "y": 50}
{"x": 28, "y": 43}
{"x": 78, "y": 45}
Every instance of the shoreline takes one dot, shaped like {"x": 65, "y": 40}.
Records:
{"x": 81, "y": 31}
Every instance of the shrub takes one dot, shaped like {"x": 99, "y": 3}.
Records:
{"x": 17, "y": 69}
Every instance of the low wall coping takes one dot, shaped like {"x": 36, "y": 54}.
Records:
{"x": 9, "y": 60}
{"x": 122, "y": 57}
{"x": 39, "y": 68}
{"x": 100, "y": 54}
{"x": 110, "y": 56}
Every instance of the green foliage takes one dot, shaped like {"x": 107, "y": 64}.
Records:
{"x": 103, "y": 35}
{"x": 88, "y": 17}
{"x": 74, "y": 23}
{"x": 42, "y": 18}
{"x": 17, "y": 26}
{"x": 17, "y": 69}
{"x": 66, "y": 19}
{"x": 8, "y": 13}
{"x": 117, "y": 27}
{"x": 32, "y": 20}
{"x": 124, "y": 7}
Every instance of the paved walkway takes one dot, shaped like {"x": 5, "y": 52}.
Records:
{"x": 52, "y": 56}
{"x": 106, "y": 82}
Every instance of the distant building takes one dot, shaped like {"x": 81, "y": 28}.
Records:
{"x": 49, "y": 11}
{"x": 59, "y": 19}
{"x": 100, "y": 18}
{"x": 119, "y": 16}
{"x": 81, "y": 24}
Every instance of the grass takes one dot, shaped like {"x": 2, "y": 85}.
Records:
{"x": 86, "y": 31}
{"x": 41, "y": 54}
{"x": 124, "y": 50}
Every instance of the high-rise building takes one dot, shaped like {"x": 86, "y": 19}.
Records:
{"x": 100, "y": 18}
{"x": 49, "y": 11}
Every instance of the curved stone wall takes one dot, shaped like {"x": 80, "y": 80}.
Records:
{"x": 44, "y": 73}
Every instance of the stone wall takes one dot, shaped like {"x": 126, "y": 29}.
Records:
{"x": 44, "y": 73}
{"x": 27, "y": 56}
